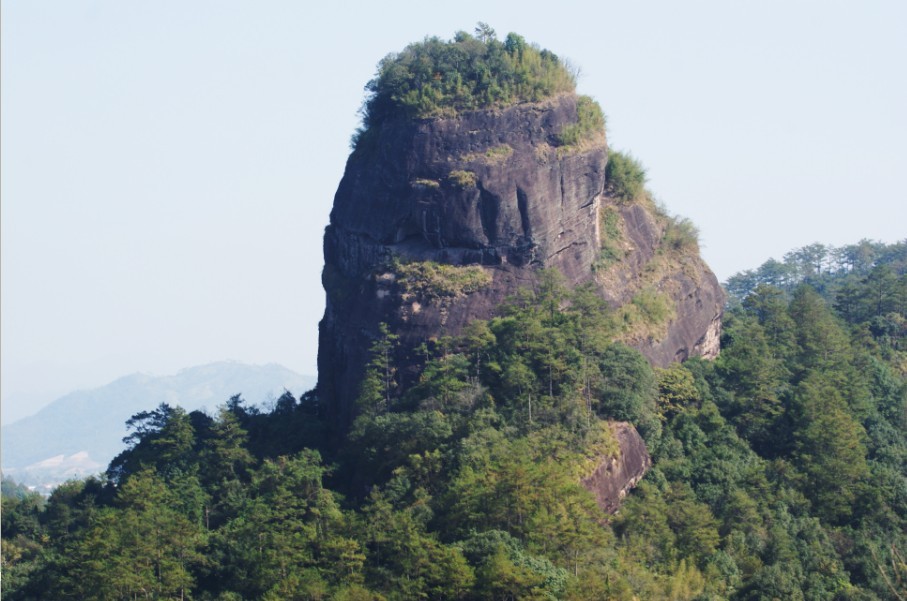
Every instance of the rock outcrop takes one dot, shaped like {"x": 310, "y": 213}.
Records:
{"x": 616, "y": 475}
{"x": 492, "y": 197}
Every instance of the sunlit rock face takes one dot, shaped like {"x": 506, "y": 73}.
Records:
{"x": 490, "y": 192}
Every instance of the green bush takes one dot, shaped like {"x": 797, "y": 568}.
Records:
{"x": 436, "y": 77}
{"x": 625, "y": 177}
{"x": 681, "y": 235}
{"x": 590, "y": 121}
{"x": 627, "y": 389}
{"x": 462, "y": 179}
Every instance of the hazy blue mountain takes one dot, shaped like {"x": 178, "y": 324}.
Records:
{"x": 79, "y": 433}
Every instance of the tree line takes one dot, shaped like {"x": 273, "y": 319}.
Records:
{"x": 779, "y": 472}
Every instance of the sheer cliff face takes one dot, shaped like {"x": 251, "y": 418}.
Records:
{"x": 491, "y": 195}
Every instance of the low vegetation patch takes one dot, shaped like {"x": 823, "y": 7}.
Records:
{"x": 462, "y": 179}
{"x": 425, "y": 183}
{"x": 598, "y": 444}
{"x": 493, "y": 156}
{"x": 609, "y": 222}
{"x": 646, "y": 316}
{"x": 611, "y": 238}
{"x": 654, "y": 306}
{"x": 428, "y": 279}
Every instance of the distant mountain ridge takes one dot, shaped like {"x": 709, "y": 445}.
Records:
{"x": 79, "y": 433}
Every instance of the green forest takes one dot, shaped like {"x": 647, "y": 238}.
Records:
{"x": 779, "y": 469}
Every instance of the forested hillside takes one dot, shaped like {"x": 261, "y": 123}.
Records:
{"x": 780, "y": 469}
{"x": 87, "y": 426}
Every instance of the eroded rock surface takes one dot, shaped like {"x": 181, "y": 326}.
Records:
{"x": 617, "y": 475}
{"x": 488, "y": 190}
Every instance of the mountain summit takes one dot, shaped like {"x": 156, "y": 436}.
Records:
{"x": 476, "y": 168}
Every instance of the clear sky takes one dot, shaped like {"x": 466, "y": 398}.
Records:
{"x": 168, "y": 167}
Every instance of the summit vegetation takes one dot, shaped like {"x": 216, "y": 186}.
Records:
{"x": 625, "y": 177}
{"x": 779, "y": 470}
{"x": 435, "y": 77}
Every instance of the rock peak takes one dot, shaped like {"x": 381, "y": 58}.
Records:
{"x": 437, "y": 221}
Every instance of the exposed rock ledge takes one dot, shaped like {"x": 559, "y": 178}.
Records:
{"x": 618, "y": 475}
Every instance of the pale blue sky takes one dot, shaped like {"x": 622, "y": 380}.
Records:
{"x": 168, "y": 167}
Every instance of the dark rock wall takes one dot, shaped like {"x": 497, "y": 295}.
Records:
{"x": 488, "y": 188}
{"x": 524, "y": 208}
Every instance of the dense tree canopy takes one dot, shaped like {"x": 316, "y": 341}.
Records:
{"x": 780, "y": 472}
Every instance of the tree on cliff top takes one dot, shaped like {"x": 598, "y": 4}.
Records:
{"x": 436, "y": 77}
